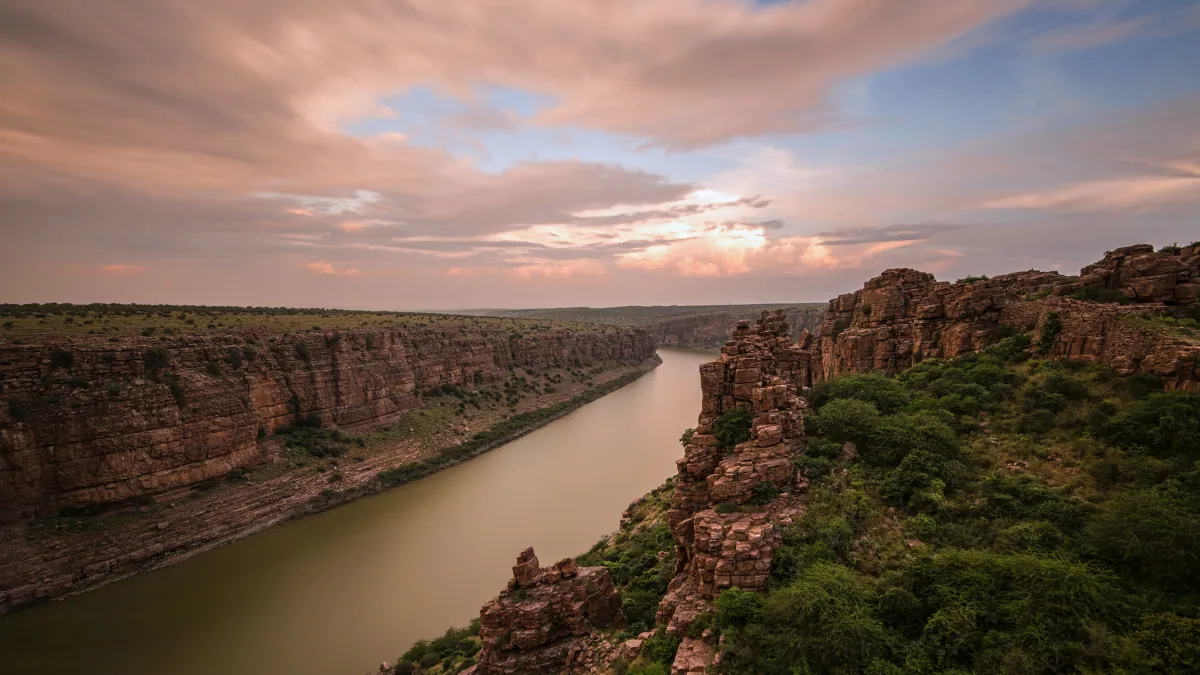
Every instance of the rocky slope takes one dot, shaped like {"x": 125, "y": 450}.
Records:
{"x": 88, "y": 422}
{"x": 541, "y": 622}
{"x": 754, "y": 482}
{"x": 1106, "y": 315}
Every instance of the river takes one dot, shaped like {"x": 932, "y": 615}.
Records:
{"x": 336, "y": 593}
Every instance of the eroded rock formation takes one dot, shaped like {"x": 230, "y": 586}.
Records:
{"x": 541, "y": 622}
{"x": 761, "y": 370}
{"x": 87, "y": 421}
{"x": 904, "y": 316}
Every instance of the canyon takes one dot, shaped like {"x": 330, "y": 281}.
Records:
{"x": 698, "y": 326}
{"x": 1134, "y": 312}
{"x": 110, "y": 450}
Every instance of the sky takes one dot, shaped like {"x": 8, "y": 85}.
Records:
{"x": 450, "y": 154}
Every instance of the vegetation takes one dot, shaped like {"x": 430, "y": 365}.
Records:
{"x": 1003, "y": 515}
{"x": 732, "y": 427}
{"x": 162, "y": 321}
{"x": 970, "y": 279}
{"x": 453, "y": 652}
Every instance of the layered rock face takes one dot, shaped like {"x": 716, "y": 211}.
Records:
{"x": 539, "y": 623}
{"x": 904, "y": 316}
{"x": 712, "y": 329}
{"x": 761, "y": 370}
{"x": 88, "y": 422}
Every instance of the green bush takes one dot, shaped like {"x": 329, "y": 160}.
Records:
{"x": 887, "y": 394}
{"x": 1164, "y": 424}
{"x": 732, "y": 427}
{"x": 1147, "y": 536}
{"x": 823, "y": 622}
{"x": 1051, "y": 328}
{"x": 155, "y": 359}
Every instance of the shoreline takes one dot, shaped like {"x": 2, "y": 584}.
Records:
{"x": 268, "y": 509}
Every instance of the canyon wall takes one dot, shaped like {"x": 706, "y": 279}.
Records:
{"x": 905, "y": 316}
{"x": 88, "y": 422}
{"x": 762, "y": 370}
{"x": 713, "y": 329}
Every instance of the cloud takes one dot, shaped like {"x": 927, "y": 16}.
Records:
{"x": 888, "y": 233}
{"x": 565, "y": 269}
{"x": 1137, "y": 194}
{"x": 123, "y": 270}
{"x": 322, "y": 267}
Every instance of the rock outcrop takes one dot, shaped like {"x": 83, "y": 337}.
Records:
{"x": 712, "y": 329}
{"x": 905, "y": 316}
{"x": 762, "y": 371}
{"x": 542, "y": 621}
{"x": 89, "y": 422}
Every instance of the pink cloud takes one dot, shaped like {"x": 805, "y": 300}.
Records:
{"x": 559, "y": 270}
{"x": 322, "y": 267}
{"x": 123, "y": 270}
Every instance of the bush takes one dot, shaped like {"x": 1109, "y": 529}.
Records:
{"x": 845, "y": 420}
{"x": 822, "y": 622}
{"x": 1051, "y": 328}
{"x": 888, "y": 395}
{"x": 155, "y": 359}
{"x": 686, "y": 437}
{"x": 732, "y": 428}
{"x": 1170, "y": 643}
{"x": 1148, "y": 537}
{"x": 301, "y": 349}
{"x": 60, "y": 358}
{"x": 1165, "y": 425}
{"x": 978, "y": 609}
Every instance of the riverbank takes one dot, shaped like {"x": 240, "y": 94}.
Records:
{"x": 53, "y": 558}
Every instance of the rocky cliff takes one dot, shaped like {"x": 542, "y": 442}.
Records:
{"x": 729, "y": 502}
{"x": 713, "y": 329}
{"x": 540, "y": 623}
{"x": 86, "y": 421}
{"x": 1106, "y": 315}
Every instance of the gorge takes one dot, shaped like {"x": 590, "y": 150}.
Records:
{"x": 112, "y": 447}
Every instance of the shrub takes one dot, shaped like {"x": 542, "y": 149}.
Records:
{"x": 234, "y": 358}
{"x": 686, "y": 437}
{"x": 1051, "y": 328}
{"x": 978, "y": 609}
{"x": 1149, "y": 537}
{"x": 1170, "y": 643}
{"x": 972, "y": 279}
{"x": 888, "y": 395}
{"x": 60, "y": 358}
{"x": 737, "y": 607}
{"x": 732, "y": 427}
{"x": 660, "y": 648}
{"x": 301, "y": 349}
{"x": 1171, "y": 248}
{"x": 1164, "y": 425}
{"x": 845, "y": 420}
{"x": 821, "y": 623}
{"x": 213, "y": 368}
{"x": 155, "y": 359}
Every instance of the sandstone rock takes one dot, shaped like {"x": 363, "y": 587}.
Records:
{"x": 761, "y": 370}
{"x": 904, "y": 316}
{"x": 540, "y": 624}
{"x": 82, "y": 446}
